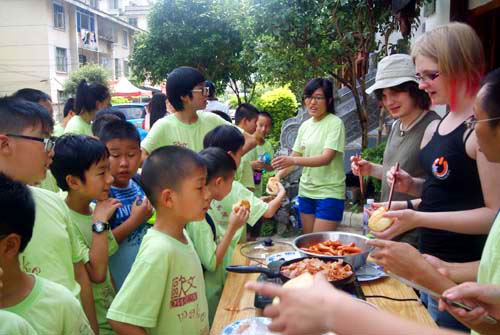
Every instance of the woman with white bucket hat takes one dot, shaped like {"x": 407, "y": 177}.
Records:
{"x": 396, "y": 88}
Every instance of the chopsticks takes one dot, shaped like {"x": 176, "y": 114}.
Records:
{"x": 391, "y": 193}
{"x": 361, "y": 186}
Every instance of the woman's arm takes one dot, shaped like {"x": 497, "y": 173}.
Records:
{"x": 283, "y": 162}
{"x": 286, "y": 171}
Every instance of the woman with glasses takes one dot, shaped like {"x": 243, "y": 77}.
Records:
{"x": 319, "y": 149}
{"x": 460, "y": 194}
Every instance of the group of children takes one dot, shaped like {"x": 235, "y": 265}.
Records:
{"x": 85, "y": 259}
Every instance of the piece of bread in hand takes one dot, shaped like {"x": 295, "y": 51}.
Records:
{"x": 272, "y": 186}
{"x": 304, "y": 280}
{"x": 242, "y": 203}
{"x": 378, "y": 222}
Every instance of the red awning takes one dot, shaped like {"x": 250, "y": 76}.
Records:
{"x": 124, "y": 88}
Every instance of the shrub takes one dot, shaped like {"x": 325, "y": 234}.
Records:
{"x": 282, "y": 105}
{"x": 119, "y": 100}
{"x": 375, "y": 155}
{"x": 92, "y": 73}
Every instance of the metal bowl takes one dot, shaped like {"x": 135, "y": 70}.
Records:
{"x": 357, "y": 260}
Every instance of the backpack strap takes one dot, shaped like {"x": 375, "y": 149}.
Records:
{"x": 212, "y": 225}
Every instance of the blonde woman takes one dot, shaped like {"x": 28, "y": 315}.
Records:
{"x": 460, "y": 194}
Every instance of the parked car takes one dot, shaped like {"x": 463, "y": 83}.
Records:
{"x": 135, "y": 114}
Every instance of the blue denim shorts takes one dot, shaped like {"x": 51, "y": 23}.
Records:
{"x": 327, "y": 209}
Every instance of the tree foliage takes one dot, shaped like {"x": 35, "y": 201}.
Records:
{"x": 195, "y": 33}
{"x": 92, "y": 73}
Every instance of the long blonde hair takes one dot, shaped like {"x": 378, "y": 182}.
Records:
{"x": 458, "y": 51}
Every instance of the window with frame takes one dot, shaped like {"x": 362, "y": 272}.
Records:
{"x": 113, "y": 4}
{"x": 132, "y": 21}
{"x": 126, "y": 69}
{"x": 85, "y": 20}
{"x": 125, "y": 39}
{"x": 118, "y": 71}
{"x": 58, "y": 15}
{"x": 61, "y": 60}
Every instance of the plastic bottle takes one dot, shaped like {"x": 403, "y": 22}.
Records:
{"x": 365, "y": 215}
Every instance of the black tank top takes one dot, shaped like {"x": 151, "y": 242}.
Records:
{"x": 451, "y": 184}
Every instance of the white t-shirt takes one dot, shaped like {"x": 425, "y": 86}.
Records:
{"x": 215, "y": 105}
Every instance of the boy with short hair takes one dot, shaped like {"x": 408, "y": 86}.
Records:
{"x": 36, "y": 96}
{"x": 48, "y": 307}
{"x": 26, "y": 152}
{"x": 165, "y": 292}
{"x": 81, "y": 168}
{"x": 261, "y": 156}
{"x": 188, "y": 124}
{"x": 129, "y": 222}
{"x": 245, "y": 117}
{"x": 220, "y": 175}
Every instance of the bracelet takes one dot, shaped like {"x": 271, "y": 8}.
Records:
{"x": 409, "y": 204}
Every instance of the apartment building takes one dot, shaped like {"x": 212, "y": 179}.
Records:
{"x": 42, "y": 41}
{"x": 134, "y": 11}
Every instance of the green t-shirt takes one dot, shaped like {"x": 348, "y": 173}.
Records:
{"x": 104, "y": 292}
{"x": 164, "y": 291}
{"x": 51, "y": 309}
{"x": 254, "y": 155}
{"x": 202, "y": 237}
{"x": 170, "y": 131}
{"x": 54, "y": 247}
{"x": 77, "y": 125}
{"x": 58, "y": 130}
{"x": 13, "y": 324}
{"x": 244, "y": 173}
{"x": 312, "y": 139}
{"x": 49, "y": 183}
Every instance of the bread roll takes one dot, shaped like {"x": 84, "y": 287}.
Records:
{"x": 304, "y": 280}
{"x": 272, "y": 186}
{"x": 378, "y": 222}
{"x": 242, "y": 203}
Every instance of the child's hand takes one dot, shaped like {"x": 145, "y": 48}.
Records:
{"x": 257, "y": 165}
{"x": 142, "y": 210}
{"x": 104, "y": 209}
{"x": 281, "y": 190}
{"x": 238, "y": 219}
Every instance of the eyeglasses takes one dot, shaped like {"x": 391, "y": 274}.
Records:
{"x": 48, "y": 143}
{"x": 315, "y": 98}
{"x": 426, "y": 78}
{"x": 205, "y": 91}
{"x": 470, "y": 123}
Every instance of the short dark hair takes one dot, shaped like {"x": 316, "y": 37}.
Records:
{"x": 180, "y": 83}
{"x": 69, "y": 106}
{"x": 75, "y": 154}
{"x": 88, "y": 95}
{"x": 168, "y": 167}
{"x": 157, "y": 108}
{"x": 16, "y": 115}
{"x": 31, "y": 94}
{"x": 18, "y": 210}
{"x": 211, "y": 88}
{"x": 268, "y": 115}
{"x": 226, "y": 137}
{"x": 490, "y": 102}
{"x": 222, "y": 115}
{"x": 119, "y": 130}
{"x": 245, "y": 111}
{"x": 104, "y": 116}
{"x": 218, "y": 162}
{"x": 420, "y": 98}
{"x": 326, "y": 86}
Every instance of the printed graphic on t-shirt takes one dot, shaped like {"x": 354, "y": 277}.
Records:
{"x": 181, "y": 144}
{"x": 440, "y": 168}
{"x": 184, "y": 292}
{"x": 28, "y": 267}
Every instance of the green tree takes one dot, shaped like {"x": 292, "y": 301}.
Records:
{"x": 92, "y": 73}
{"x": 197, "y": 33}
{"x": 300, "y": 40}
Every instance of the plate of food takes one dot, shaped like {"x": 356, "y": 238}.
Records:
{"x": 369, "y": 272}
{"x": 249, "y": 326}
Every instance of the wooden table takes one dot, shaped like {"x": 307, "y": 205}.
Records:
{"x": 237, "y": 303}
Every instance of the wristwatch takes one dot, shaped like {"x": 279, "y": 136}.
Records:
{"x": 100, "y": 226}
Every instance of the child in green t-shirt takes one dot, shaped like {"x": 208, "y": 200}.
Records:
{"x": 54, "y": 252}
{"x": 220, "y": 175}
{"x": 245, "y": 118}
{"x": 261, "y": 156}
{"x": 164, "y": 292}
{"x": 81, "y": 168}
{"x": 49, "y": 308}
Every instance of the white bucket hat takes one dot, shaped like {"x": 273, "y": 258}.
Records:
{"x": 393, "y": 70}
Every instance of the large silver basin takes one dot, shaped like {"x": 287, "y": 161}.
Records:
{"x": 357, "y": 261}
